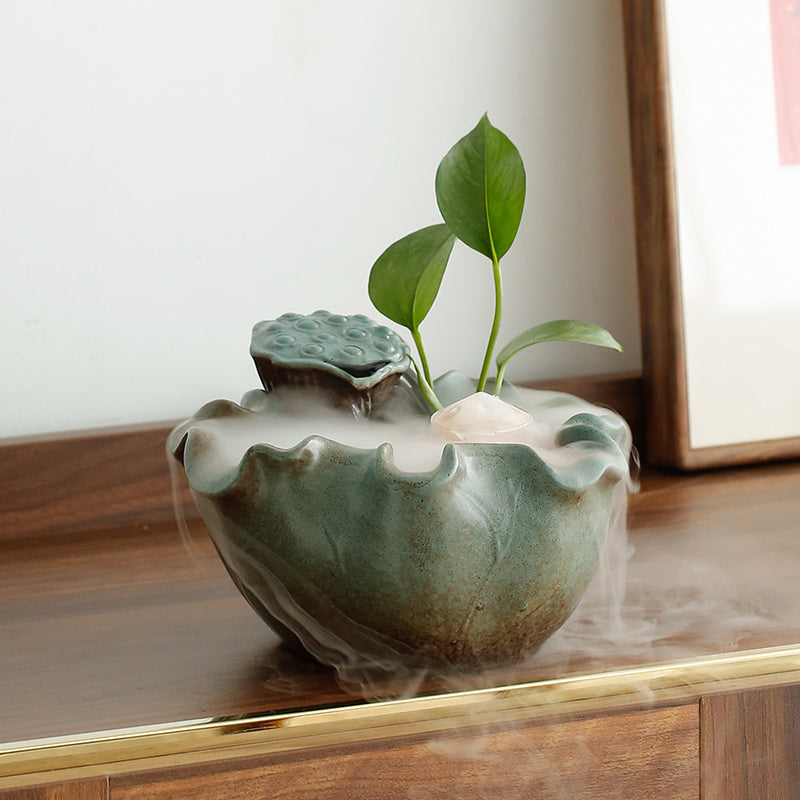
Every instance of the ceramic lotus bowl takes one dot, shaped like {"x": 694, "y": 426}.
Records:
{"x": 472, "y": 563}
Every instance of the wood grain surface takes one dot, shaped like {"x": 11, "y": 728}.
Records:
{"x": 96, "y": 789}
{"x": 130, "y": 626}
{"x": 639, "y": 756}
{"x": 91, "y": 480}
{"x": 750, "y": 744}
{"x": 655, "y": 212}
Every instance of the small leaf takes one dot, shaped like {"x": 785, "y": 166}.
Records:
{"x": 480, "y": 189}
{"x": 405, "y": 280}
{"x": 561, "y": 330}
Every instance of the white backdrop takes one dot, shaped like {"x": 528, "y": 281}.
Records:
{"x": 172, "y": 172}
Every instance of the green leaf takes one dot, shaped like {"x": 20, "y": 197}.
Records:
{"x": 561, "y": 330}
{"x": 405, "y": 280}
{"x": 480, "y": 189}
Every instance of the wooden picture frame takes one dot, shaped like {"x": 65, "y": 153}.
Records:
{"x": 667, "y": 378}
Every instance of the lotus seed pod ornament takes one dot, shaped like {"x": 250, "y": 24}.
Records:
{"x": 352, "y": 357}
{"x": 377, "y": 518}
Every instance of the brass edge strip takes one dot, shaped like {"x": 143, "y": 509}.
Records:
{"x": 212, "y": 739}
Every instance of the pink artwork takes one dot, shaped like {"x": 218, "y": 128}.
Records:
{"x": 785, "y": 20}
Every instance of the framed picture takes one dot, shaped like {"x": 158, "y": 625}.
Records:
{"x": 714, "y": 101}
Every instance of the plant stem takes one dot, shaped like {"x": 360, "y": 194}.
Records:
{"x": 498, "y": 381}
{"x": 498, "y": 313}
{"x": 422, "y": 357}
{"x": 426, "y": 388}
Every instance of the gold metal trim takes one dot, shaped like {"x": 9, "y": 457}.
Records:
{"x": 204, "y": 740}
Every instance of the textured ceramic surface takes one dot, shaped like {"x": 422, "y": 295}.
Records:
{"x": 473, "y": 563}
{"x": 349, "y": 356}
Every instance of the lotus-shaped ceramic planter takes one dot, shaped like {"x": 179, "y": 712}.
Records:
{"x": 473, "y": 562}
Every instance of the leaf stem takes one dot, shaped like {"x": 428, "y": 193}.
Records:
{"x": 426, "y": 388}
{"x": 498, "y": 313}
{"x": 422, "y": 357}
{"x": 498, "y": 381}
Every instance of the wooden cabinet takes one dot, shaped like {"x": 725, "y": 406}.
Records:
{"x": 740, "y": 745}
{"x": 639, "y": 754}
{"x": 750, "y": 743}
{"x": 589, "y": 758}
{"x": 95, "y": 789}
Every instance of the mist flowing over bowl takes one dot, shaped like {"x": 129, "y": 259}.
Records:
{"x": 360, "y": 564}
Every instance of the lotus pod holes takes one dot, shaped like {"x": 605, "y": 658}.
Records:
{"x": 353, "y": 358}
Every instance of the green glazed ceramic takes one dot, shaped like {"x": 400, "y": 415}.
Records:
{"x": 354, "y": 360}
{"x": 471, "y": 564}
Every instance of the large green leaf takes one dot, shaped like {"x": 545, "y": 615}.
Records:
{"x": 405, "y": 280}
{"x": 560, "y": 330}
{"x": 480, "y": 189}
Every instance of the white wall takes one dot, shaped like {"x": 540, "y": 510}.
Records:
{"x": 172, "y": 172}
